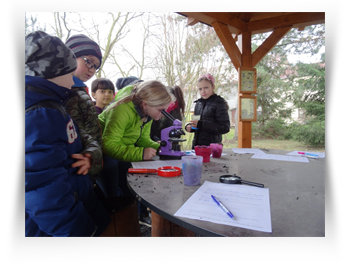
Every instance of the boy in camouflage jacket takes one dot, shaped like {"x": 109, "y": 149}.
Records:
{"x": 79, "y": 106}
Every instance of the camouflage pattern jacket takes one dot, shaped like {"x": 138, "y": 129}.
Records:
{"x": 80, "y": 107}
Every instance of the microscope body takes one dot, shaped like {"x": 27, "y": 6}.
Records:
{"x": 170, "y": 138}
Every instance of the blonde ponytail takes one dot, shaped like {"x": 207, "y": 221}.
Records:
{"x": 152, "y": 92}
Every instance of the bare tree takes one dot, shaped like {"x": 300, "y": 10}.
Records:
{"x": 107, "y": 32}
{"x": 133, "y": 61}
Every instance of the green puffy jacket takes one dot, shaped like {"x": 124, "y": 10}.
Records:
{"x": 124, "y": 133}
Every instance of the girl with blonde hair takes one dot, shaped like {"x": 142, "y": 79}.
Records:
{"x": 213, "y": 111}
{"x": 126, "y": 128}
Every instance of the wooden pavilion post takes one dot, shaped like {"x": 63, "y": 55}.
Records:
{"x": 242, "y": 57}
{"x": 245, "y": 128}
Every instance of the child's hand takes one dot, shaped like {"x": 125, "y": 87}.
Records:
{"x": 84, "y": 162}
{"x": 194, "y": 123}
{"x": 188, "y": 127}
{"x": 149, "y": 153}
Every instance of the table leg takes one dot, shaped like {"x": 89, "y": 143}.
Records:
{"x": 162, "y": 227}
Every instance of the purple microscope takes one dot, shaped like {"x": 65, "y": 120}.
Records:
{"x": 170, "y": 138}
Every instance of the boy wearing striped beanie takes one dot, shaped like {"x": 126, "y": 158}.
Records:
{"x": 88, "y": 55}
{"x": 80, "y": 106}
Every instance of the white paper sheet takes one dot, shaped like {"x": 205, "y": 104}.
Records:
{"x": 281, "y": 158}
{"x": 247, "y": 151}
{"x": 250, "y": 206}
{"x": 154, "y": 164}
{"x": 295, "y": 153}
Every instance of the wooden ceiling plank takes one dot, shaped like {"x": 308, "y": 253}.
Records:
{"x": 246, "y": 16}
{"x": 227, "y": 19}
{"x": 192, "y": 21}
{"x": 229, "y": 44}
{"x": 265, "y": 15}
{"x": 199, "y": 16}
{"x": 268, "y": 44}
{"x": 286, "y": 20}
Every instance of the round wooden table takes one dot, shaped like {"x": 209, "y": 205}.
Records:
{"x": 297, "y": 196}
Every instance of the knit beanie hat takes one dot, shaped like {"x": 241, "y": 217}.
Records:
{"x": 82, "y": 45}
{"x": 47, "y": 56}
{"x": 126, "y": 81}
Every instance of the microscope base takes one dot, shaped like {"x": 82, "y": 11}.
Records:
{"x": 169, "y": 157}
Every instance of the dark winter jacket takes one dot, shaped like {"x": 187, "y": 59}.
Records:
{"x": 214, "y": 121}
{"x": 80, "y": 107}
{"x": 58, "y": 202}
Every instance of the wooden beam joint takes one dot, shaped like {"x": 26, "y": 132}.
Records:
{"x": 229, "y": 43}
{"x": 192, "y": 21}
{"x": 268, "y": 44}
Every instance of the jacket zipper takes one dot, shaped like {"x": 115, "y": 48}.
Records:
{"x": 143, "y": 124}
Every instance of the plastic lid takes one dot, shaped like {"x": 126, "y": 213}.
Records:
{"x": 169, "y": 171}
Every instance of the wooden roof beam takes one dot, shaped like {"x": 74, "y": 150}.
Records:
{"x": 245, "y": 16}
{"x": 192, "y": 21}
{"x": 229, "y": 43}
{"x": 227, "y": 19}
{"x": 286, "y": 20}
{"x": 268, "y": 44}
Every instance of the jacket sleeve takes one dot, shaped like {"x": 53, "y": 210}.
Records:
{"x": 85, "y": 117}
{"x": 119, "y": 135}
{"x": 221, "y": 125}
{"x": 49, "y": 198}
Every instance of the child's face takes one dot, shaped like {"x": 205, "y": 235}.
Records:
{"x": 205, "y": 88}
{"x": 83, "y": 72}
{"x": 154, "y": 111}
{"x": 103, "y": 97}
{"x": 64, "y": 81}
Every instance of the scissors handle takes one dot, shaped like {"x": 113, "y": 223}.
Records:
{"x": 141, "y": 170}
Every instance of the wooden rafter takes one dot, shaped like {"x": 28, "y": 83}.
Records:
{"x": 268, "y": 44}
{"x": 285, "y": 20}
{"x": 258, "y": 22}
{"x": 192, "y": 21}
{"x": 227, "y": 19}
{"x": 229, "y": 43}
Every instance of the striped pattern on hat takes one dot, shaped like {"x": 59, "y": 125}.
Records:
{"x": 82, "y": 45}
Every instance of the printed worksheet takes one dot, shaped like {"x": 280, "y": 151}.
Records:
{"x": 249, "y": 205}
{"x": 247, "y": 151}
{"x": 281, "y": 157}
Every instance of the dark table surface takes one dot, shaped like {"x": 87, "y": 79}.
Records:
{"x": 297, "y": 194}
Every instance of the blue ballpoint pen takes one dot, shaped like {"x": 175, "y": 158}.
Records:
{"x": 218, "y": 202}
{"x": 308, "y": 154}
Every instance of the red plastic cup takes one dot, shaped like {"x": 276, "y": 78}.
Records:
{"x": 204, "y": 151}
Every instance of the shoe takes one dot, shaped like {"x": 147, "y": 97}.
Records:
{"x": 145, "y": 219}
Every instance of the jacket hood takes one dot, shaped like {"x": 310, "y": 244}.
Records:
{"x": 125, "y": 91}
{"x": 39, "y": 89}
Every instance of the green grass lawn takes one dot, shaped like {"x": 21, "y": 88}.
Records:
{"x": 230, "y": 142}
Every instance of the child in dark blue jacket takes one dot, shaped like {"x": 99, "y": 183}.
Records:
{"x": 59, "y": 201}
